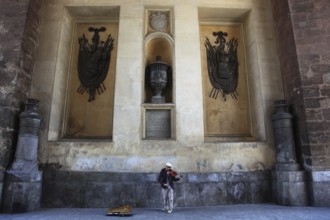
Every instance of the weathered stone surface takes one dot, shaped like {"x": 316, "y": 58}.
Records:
{"x": 158, "y": 124}
{"x": 290, "y": 188}
{"x": 7, "y": 140}
{"x": 104, "y": 189}
{"x": 309, "y": 19}
{"x": 320, "y": 188}
{"x": 21, "y": 196}
{"x": 22, "y": 190}
{"x": 305, "y": 67}
{"x": 14, "y": 81}
{"x": 2, "y": 173}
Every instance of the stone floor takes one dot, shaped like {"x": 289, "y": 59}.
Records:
{"x": 247, "y": 211}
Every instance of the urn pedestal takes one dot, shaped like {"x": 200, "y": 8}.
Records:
{"x": 288, "y": 183}
{"x": 23, "y": 181}
{"x": 158, "y": 121}
{"x": 158, "y": 116}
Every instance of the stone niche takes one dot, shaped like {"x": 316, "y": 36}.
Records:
{"x": 158, "y": 118}
{"x": 227, "y": 117}
{"x": 81, "y": 118}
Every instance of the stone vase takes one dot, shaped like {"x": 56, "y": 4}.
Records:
{"x": 158, "y": 79}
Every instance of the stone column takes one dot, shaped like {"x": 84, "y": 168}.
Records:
{"x": 22, "y": 190}
{"x": 284, "y": 140}
{"x": 289, "y": 184}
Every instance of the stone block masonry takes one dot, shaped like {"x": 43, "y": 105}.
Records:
{"x": 108, "y": 189}
{"x": 303, "y": 38}
{"x": 19, "y": 31}
{"x": 312, "y": 31}
{"x": 305, "y": 64}
{"x": 19, "y": 25}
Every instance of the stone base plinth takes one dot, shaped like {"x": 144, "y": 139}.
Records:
{"x": 287, "y": 167}
{"x": 105, "y": 189}
{"x": 20, "y": 195}
{"x": 320, "y": 188}
{"x": 290, "y": 188}
{"x": 158, "y": 99}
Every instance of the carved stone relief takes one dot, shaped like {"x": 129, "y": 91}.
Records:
{"x": 222, "y": 76}
{"x": 158, "y": 21}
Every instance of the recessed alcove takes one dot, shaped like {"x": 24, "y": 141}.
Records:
{"x": 72, "y": 116}
{"x": 231, "y": 118}
{"x": 159, "y": 44}
{"x": 158, "y": 113}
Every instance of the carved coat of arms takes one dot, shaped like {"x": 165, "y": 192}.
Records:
{"x": 93, "y": 63}
{"x": 222, "y": 65}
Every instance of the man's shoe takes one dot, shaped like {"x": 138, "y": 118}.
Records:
{"x": 169, "y": 211}
{"x": 165, "y": 208}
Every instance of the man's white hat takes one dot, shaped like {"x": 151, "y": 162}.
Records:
{"x": 168, "y": 164}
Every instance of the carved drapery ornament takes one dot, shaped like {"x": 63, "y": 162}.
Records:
{"x": 94, "y": 62}
{"x": 222, "y": 64}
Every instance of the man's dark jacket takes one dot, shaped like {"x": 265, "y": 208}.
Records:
{"x": 163, "y": 178}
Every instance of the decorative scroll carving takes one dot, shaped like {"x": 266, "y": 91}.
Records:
{"x": 222, "y": 65}
{"x": 93, "y": 63}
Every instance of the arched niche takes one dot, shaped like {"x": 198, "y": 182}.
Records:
{"x": 159, "y": 44}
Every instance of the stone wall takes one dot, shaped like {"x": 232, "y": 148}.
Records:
{"x": 19, "y": 25}
{"x": 208, "y": 165}
{"x": 291, "y": 77}
{"x": 310, "y": 21}
{"x": 303, "y": 38}
{"x": 311, "y": 27}
{"x": 19, "y": 31}
{"x": 128, "y": 151}
{"x": 108, "y": 189}
{"x": 89, "y": 171}
{"x": 12, "y": 30}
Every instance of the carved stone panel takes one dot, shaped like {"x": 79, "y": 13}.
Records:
{"x": 158, "y": 123}
{"x": 91, "y": 119}
{"x": 158, "y": 20}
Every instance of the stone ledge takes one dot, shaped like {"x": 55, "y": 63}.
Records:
{"x": 289, "y": 176}
{"x": 319, "y": 176}
{"x": 19, "y": 176}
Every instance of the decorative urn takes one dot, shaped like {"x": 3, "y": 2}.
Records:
{"x": 158, "y": 75}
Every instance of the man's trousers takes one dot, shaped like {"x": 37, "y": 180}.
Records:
{"x": 167, "y": 195}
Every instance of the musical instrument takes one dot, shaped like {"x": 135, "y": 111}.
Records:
{"x": 173, "y": 173}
